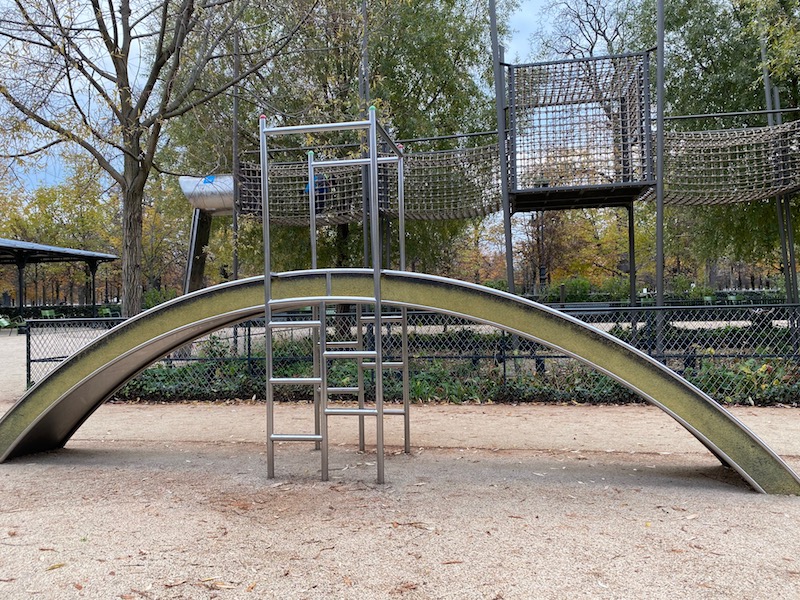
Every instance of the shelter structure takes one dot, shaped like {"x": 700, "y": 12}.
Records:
{"x": 22, "y": 254}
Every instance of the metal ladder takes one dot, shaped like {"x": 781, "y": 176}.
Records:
{"x": 324, "y": 351}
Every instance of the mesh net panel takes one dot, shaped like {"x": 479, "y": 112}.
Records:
{"x": 445, "y": 184}
{"x": 337, "y": 190}
{"x": 736, "y": 353}
{"x": 452, "y": 184}
{"x": 573, "y": 125}
{"x": 733, "y": 165}
{"x": 577, "y": 123}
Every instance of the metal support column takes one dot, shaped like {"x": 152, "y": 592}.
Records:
{"x": 631, "y": 256}
{"x": 659, "y": 337}
{"x": 200, "y": 234}
{"x": 499, "y": 93}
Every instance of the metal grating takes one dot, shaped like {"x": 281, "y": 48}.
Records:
{"x": 579, "y": 124}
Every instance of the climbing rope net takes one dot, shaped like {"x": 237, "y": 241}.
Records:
{"x": 572, "y": 125}
{"x": 443, "y": 184}
{"x": 733, "y": 165}
{"x": 700, "y": 168}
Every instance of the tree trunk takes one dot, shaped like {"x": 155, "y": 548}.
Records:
{"x": 132, "y": 251}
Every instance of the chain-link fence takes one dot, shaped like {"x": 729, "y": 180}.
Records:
{"x": 737, "y": 354}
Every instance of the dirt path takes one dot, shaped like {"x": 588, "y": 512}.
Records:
{"x": 172, "y": 501}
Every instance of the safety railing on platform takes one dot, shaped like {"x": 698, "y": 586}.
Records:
{"x": 579, "y": 123}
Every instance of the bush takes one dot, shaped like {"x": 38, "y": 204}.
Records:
{"x": 576, "y": 289}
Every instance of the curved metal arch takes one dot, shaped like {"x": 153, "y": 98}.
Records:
{"x": 49, "y": 413}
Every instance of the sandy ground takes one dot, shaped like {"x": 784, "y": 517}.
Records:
{"x": 172, "y": 501}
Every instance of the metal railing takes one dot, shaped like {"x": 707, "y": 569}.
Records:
{"x": 735, "y": 353}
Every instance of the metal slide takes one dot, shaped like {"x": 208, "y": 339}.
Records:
{"x": 49, "y": 413}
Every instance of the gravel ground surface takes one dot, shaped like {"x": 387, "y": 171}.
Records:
{"x": 172, "y": 501}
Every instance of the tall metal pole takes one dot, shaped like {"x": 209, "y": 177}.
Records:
{"x": 264, "y": 156}
{"x": 660, "y": 155}
{"x": 787, "y": 208}
{"x": 235, "y": 151}
{"x": 631, "y": 256}
{"x": 376, "y": 270}
{"x": 363, "y": 91}
{"x": 499, "y": 94}
{"x": 783, "y": 225}
{"x": 363, "y": 79}
{"x": 312, "y": 208}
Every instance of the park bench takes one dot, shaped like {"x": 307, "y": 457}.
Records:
{"x": 9, "y": 324}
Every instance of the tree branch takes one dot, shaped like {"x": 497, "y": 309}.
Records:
{"x": 34, "y": 151}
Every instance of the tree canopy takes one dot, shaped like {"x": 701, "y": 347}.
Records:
{"x": 106, "y": 77}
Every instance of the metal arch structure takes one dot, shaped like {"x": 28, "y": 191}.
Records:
{"x": 48, "y": 415}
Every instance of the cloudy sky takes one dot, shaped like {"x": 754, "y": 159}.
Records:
{"x": 528, "y": 19}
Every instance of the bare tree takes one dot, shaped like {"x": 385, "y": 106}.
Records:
{"x": 583, "y": 28}
{"x": 107, "y": 76}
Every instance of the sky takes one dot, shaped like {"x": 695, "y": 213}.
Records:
{"x": 524, "y": 22}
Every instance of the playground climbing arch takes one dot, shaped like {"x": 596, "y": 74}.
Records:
{"x": 48, "y": 415}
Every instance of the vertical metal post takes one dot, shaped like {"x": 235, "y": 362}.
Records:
{"x": 784, "y": 225}
{"x": 511, "y": 123}
{"x": 631, "y": 256}
{"x": 236, "y": 164}
{"x": 318, "y": 368}
{"x": 264, "y": 155}
{"x": 376, "y": 266}
{"x": 198, "y": 240}
{"x": 93, "y": 270}
{"x": 660, "y": 156}
{"x": 787, "y": 207}
{"x": 321, "y": 393}
{"x": 363, "y": 81}
{"x": 312, "y": 215}
{"x": 659, "y": 321}
{"x": 499, "y": 95}
{"x": 235, "y": 151}
{"x": 360, "y": 346}
{"x": 790, "y": 267}
{"x": 648, "y": 129}
{"x": 401, "y": 208}
{"x": 20, "y": 260}
{"x": 386, "y": 223}
{"x": 499, "y": 88}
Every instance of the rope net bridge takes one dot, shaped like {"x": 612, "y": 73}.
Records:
{"x": 445, "y": 184}
{"x": 731, "y": 165}
{"x": 579, "y": 134}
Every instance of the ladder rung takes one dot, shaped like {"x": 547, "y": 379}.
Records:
{"x": 343, "y": 344}
{"x": 295, "y": 380}
{"x": 351, "y": 411}
{"x": 350, "y": 354}
{"x": 294, "y": 324}
{"x": 343, "y": 390}
{"x": 295, "y": 437}
{"x": 386, "y": 365}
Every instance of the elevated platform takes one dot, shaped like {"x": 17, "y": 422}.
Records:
{"x": 570, "y": 197}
